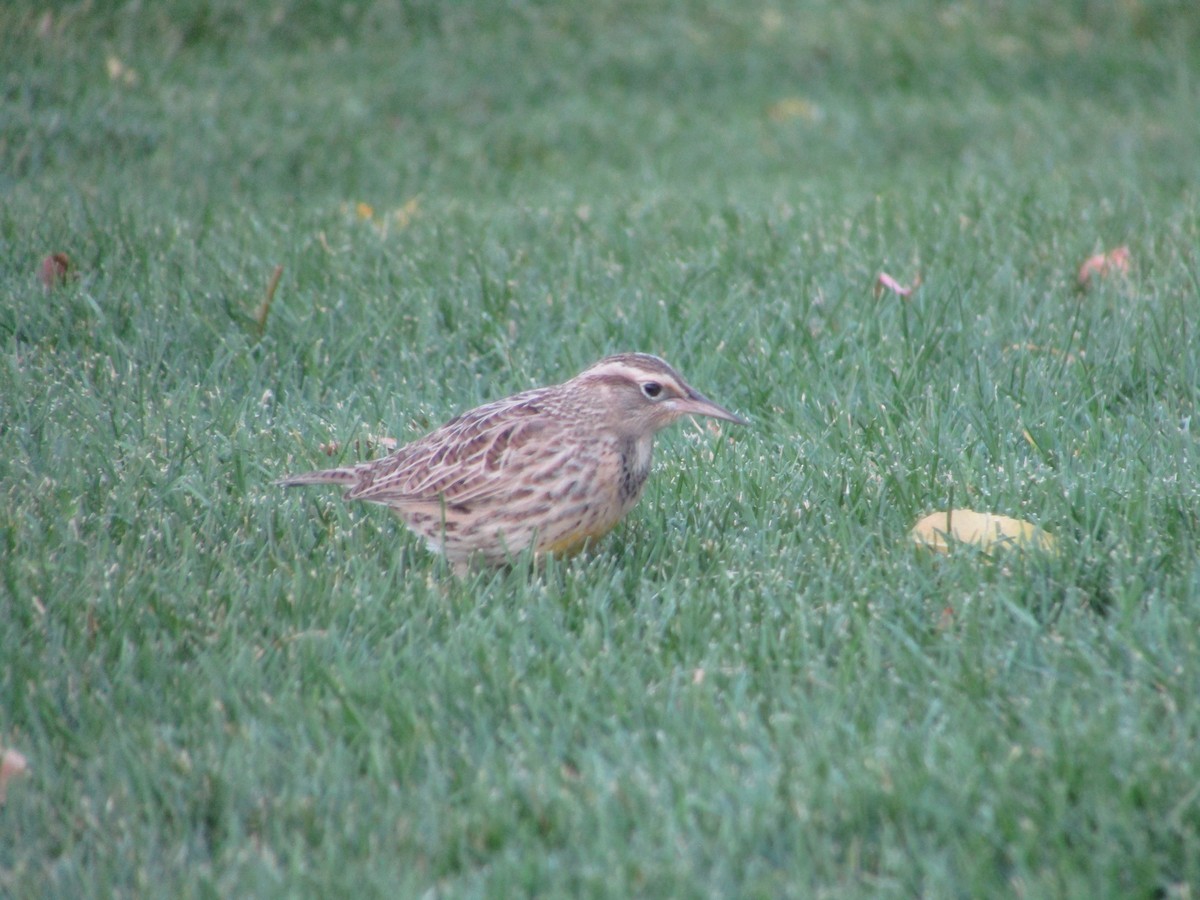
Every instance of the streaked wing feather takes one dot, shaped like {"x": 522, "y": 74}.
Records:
{"x": 467, "y": 460}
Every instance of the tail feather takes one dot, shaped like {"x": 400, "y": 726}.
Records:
{"x": 326, "y": 476}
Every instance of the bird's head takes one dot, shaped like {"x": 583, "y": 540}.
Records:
{"x": 641, "y": 394}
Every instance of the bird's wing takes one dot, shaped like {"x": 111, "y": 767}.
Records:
{"x": 484, "y": 453}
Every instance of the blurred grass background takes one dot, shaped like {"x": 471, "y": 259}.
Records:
{"x": 752, "y": 688}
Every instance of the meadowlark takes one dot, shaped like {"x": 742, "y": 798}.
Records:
{"x": 553, "y": 468}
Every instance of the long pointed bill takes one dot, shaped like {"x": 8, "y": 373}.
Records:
{"x": 696, "y": 404}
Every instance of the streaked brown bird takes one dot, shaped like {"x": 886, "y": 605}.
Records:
{"x": 555, "y": 468}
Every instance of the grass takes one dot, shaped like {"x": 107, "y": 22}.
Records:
{"x": 755, "y": 687}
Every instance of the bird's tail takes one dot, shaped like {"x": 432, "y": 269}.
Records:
{"x": 346, "y": 476}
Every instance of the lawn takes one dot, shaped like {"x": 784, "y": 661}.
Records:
{"x": 756, "y": 686}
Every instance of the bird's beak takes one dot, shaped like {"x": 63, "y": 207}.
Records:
{"x": 696, "y": 404}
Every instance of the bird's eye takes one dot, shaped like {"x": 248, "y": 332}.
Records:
{"x": 652, "y": 389}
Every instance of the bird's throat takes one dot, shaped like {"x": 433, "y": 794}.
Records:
{"x": 636, "y": 454}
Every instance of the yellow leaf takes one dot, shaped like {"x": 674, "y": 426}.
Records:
{"x": 364, "y": 210}
{"x": 119, "y": 72}
{"x": 793, "y": 108}
{"x": 938, "y": 531}
{"x": 772, "y": 21}
{"x": 409, "y": 211}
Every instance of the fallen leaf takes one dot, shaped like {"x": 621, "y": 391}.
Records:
{"x": 1052, "y": 351}
{"x": 364, "y": 210}
{"x": 382, "y": 442}
{"x": 1114, "y": 262}
{"x": 793, "y": 108}
{"x": 55, "y": 270}
{"x": 12, "y": 764}
{"x": 264, "y": 308}
{"x": 119, "y": 72}
{"x": 885, "y": 282}
{"x": 987, "y": 531}
{"x": 366, "y": 446}
{"x": 406, "y": 213}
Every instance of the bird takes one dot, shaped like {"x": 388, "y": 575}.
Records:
{"x": 553, "y": 468}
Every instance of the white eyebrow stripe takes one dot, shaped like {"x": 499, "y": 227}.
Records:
{"x": 616, "y": 369}
{"x": 635, "y": 375}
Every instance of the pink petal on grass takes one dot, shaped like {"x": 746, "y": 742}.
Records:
{"x": 1114, "y": 262}
{"x": 885, "y": 282}
{"x": 12, "y": 764}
